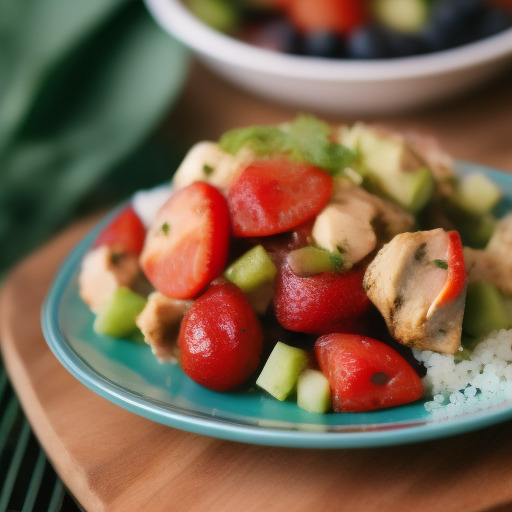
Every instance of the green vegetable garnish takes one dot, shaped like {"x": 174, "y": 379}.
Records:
{"x": 208, "y": 169}
{"x": 337, "y": 262}
{"x": 263, "y": 140}
{"x": 441, "y": 264}
{"x": 305, "y": 140}
{"x": 166, "y": 228}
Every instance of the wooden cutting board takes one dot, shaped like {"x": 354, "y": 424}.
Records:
{"x": 112, "y": 460}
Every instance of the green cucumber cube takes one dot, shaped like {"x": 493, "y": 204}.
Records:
{"x": 251, "y": 270}
{"x": 117, "y": 318}
{"x": 395, "y": 170}
{"x": 313, "y": 392}
{"x": 310, "y": 260}
{"x": 282, "y": 369}
{"x": 486, "y": 310}
{"x": 477, "y": 194}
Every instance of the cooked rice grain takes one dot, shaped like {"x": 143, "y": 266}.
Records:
{"x": 482, "y": 381}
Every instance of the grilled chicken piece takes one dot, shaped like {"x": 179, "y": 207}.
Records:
{"x": 390, "y": 219}
{"x": 160, "y": 322}
{"x": 207, "y": 162}
{"x": 346, "y": 228}
{"x": 355, "y": 222}
{"x": 102, "y": 272}
{"x": 494, "y": 263}
{"x": 440, "y": 163}
{"x": 418, "y": 283}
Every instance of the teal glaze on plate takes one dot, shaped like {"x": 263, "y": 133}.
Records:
{"x": 127, "y": 374}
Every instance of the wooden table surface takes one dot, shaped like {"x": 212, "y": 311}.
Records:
{"x": 113, "y": 460}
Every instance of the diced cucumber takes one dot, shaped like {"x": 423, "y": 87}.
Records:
{"x": 251, "y": 270}
{"x": 486, "y": 310}
{"x": 221, "y": 15}
{"x": 313, "y": 392}
{"x": 117, "y": 318}
{"x": 282, "y": 369}
{"x": 402, "y": 15}
{"x": 477, "y": 194}
{"x": 310, "y": 260}
{"x": 394, "y": 169}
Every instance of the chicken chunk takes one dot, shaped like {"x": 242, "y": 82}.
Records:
{"x": 355, "y": 222}
{"x": 102, "y": 272}
{"x": 207, "y": 162}
{"x": 346, "y": 228}
{"x": 390, "y": 219}
{"x": 440, "y": 163}
{"x": 160, "y": 323}
{"x": 418, "y": 283}
{"x": 494, "y": 263}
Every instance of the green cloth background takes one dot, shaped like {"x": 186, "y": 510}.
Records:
{"x": 84, "y": 85}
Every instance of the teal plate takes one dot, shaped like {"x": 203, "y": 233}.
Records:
{"x": 128, "y": 375}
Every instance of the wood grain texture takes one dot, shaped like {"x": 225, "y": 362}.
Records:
{"x": 113, "y": 460}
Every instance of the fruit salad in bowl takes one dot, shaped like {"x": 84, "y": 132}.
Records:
{"x": 347, "y": 268}
{"x": 356, "y": 29}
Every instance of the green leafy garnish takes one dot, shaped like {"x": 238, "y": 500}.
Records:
{"x": 441, "y": 264}
{"x": 309, "y": 141}
{"x": 306, "y": 139}
{"x": 337, "y": 262}
{"x": 263, "y": 140}
{"x": 166, "y": 228}
{"x": 207, "y": 169}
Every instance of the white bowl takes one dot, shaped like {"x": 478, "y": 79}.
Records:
{"x": 361, "y": 88}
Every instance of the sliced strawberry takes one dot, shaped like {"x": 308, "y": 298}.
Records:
{"x": 187, "y": 245}
{"x": 339, "y": 16}
{"x": 365, "y": 374}
{"x": 456, "y": 278}
{"x": 274, "y": 196}
{"x": 221, "y": 339}
{"x": 322, "y": 303}
{"x": 125, "y": 234}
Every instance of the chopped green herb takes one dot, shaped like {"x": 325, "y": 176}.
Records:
{"x": 337, "y": 262}
{"x": 263, "y": 140}
{"x": 420, "y": 252}
{"x": 441, "y": 264}
{"x": 309, "y": 141}
{"x": 208, "y": 169}
{"x": 306, "y": 140}
{"x": 166, "y": 228}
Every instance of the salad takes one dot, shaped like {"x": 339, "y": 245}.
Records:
{"x": 356, "y": 29}
{"x": 345, "y": 267}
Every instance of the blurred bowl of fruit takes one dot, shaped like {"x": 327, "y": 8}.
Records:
{"x": 356, "y": 57}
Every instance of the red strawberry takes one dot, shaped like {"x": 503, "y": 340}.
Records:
{"x": 322, "y": 303}
{"x": 365, "y": 374}
{"x": 124, "y": 234}
{"x": 220, "y": 339}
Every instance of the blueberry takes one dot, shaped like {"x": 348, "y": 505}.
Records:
{"x": 323, "y": 43}
{"x": 453, "y": 23}
{"x": 368, "y": 42}
{"x": 403, "y": 45}
{"x": 494, "y": 20}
